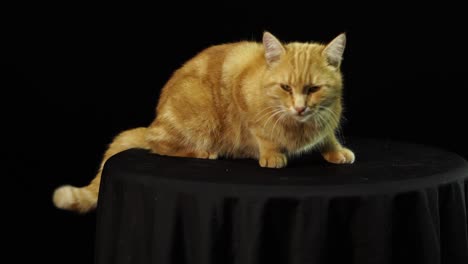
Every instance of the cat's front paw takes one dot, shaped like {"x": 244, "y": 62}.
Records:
{"x": 340, "y": 156}
{"x": 207, "y": 155}
{"x": 273, "y": 160}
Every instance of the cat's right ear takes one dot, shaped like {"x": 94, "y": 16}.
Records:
{"x": 273, "y": 48}
{"x": 334, "y": 50}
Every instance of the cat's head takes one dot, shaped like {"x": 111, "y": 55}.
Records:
{"x": 304, "y": 79}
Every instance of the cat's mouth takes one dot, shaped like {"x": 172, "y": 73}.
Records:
{"x": 301, "y": 114}
{"x": 304, "y": 117}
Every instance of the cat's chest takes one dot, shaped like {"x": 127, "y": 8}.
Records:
{"x": 299, "y": 140}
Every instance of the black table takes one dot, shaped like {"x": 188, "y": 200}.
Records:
{"x": 399, "y": 203}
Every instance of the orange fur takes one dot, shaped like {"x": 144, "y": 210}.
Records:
{"x": 240, "y": 100}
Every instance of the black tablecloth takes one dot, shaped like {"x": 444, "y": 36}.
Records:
{"x": 398, "y": 203}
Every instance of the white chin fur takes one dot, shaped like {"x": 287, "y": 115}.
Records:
{"x": 302, "y": 118}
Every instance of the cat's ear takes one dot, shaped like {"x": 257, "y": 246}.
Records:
{"x": 273, "y": 48}
{"x": 333, "y": 52}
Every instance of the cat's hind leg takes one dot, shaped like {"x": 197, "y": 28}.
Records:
{"x": 174, "y": 149}
{"x": 168, "y": 142}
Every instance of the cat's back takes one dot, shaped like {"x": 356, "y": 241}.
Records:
{"x": 218, "y": 60}
{"x": 209, "y": 72}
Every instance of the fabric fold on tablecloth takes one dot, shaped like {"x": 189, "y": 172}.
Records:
{"x": 159, "y": 226}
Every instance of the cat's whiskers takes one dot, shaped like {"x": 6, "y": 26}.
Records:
{"x": 266, "y": 108}
{"x": 315, "y": 118}
{"x": 315, "y": 122}
{"x": 284, "y": 114}
{"x": 323, "y": 122}
{"x": 273, "y": 115}
{"x": 326, "y": 123}
{"x": 332, "y": 114}
{"x": 318, "y": 120}
{"x": 267, "y": 115}
{"x": 337, "y": 124}
{"x": 270, "y": 109}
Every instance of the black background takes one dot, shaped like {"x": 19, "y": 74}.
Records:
{"x": 72, "y": 77}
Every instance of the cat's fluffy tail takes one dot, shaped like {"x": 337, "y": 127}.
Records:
{"x": 84, "y": 199}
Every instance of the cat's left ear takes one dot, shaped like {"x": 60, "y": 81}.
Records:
{"x": 273, "y": 48}
{"x": 333, "y": 52}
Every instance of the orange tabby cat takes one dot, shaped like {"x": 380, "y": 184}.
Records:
{"x": 267, "y": 101}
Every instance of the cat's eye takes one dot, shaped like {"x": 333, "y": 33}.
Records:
{"x": 286, "y": 87}
{"x": 311, "y": 89}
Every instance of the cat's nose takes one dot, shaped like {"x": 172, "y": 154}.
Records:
{"x": 300, "y": 109}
